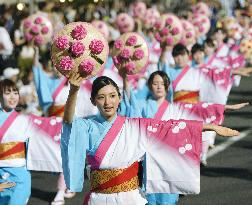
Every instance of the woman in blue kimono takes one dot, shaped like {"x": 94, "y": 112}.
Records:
{"x": 12, "y": 149}
{"x": 88, "y": 134}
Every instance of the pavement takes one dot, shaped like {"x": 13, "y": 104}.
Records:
{"x": 227, "y": 180}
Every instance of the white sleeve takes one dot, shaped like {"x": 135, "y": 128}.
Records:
{"x": 6, "y": 41}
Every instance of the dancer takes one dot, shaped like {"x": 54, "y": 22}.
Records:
{"x": 108, "y": 138}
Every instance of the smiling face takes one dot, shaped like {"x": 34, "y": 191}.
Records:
{"x": 107, "y": 101}
{"x": 9, "y": 99}
{"x": 158, "y": 87}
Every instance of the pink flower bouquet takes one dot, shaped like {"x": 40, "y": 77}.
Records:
{"x": 189, "y": 34}
{"x": 168, "y": 30}
{"x": 125, "y": 23}
{"x": 102, "y": 27}
{"x": 139, "y": 10}
{"x": 79, "y": 47}
{"x": 37, "y": 29}
{"x": 201, "y": 24}
{"x": 130, "y": 52}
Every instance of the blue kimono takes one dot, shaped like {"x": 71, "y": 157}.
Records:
{"x": 19, "y": 194}
{"x": 45, "y": 87}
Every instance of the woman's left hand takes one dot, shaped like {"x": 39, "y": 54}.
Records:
{"x": 222, "y": 131}
{"x": 236, "y": 106}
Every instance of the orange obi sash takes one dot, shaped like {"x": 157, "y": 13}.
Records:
{"x": 56, "y": 110}
{"x": 12, "y": 150}
{"x": 186, "y": 96}
{"x": 115, "y": 180}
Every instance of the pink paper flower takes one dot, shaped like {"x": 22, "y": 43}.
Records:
{"x": 196, "y": 23}
{"x": 96, "y": 46}
{"x": 164, "y": 31}
{"x": 189, "y": 35}
{"x": 38, "y": 20}
{"x": 130, "y": 67}
{"x": 125, "y": 53}
{"x": 87, "y": 66}
{"x": 157, "y": 25}
{"x": 62, "y": 42}
{"x": 169, "y": 21}
{"x": 201, "y": 29}
{"x": 204, "y": 21}
{"x": 183, "y": 42}
{"x": 131, "y": 41}
{"x": 79, "y": 32}
{"x": 38, "y": 40}
{"x": 66, "y": 63}
{"x": 158, "y": 37}
{"x": 27, "y": 23}
{"x": 77, "y": 48}
{"x": 116, "y": 60}
{"x": 139, "y": 54}
{"x": 44, "y": 30}
{"x": 175, "y": 31}
{"x": 169, "y": 41}
{"x": 28, "y": 36}
{"x": 35, "y": 29}
{"x": 118, "y": 44}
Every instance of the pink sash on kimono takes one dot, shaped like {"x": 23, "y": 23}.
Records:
{"x": 59, "y": 88}
{"x": 180, "y": 76}
{"x": 7, "y": 124}
{"x": 95, "y": 161}
{"x": 161, "y": 110}
{"x": 214, "y": 55}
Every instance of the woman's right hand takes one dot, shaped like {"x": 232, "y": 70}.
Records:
{"x": 75, "y": 79}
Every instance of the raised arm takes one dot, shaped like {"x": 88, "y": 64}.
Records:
{"x": 75, "y": 80}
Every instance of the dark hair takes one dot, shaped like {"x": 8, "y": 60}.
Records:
{"x": 209, "y": 42}
{"x": 163, "y": 75}
{"x": 7, "y": 84}
{"x": 179, "y": 49}
{"x": 197, "y": 47}
{"x": 101, "y": 82}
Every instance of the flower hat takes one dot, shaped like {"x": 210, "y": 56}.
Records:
{"x": 102, "y": 27}
{"x": 37, "y": 29}
{"x": 151, "y": 17}
{"x": 201, "y": 23}
{"x": 130, "y": 52}
{"x": 168, "y": 30}
{"x": 79, "y": 47}
{"x": 139, "y": 9}
{"x": 202, "y": 8}
{"x": 189, "y": 34}
{"x": 125, "y": 23}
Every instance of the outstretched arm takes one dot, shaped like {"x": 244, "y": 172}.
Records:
{"x": 75, "y": 80}
{"x": 236, "y": 106}
{"x": 242, "y": 71}
{"x": 222, "y": 131}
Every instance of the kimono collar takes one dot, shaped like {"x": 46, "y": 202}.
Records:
{"x": 105, "y": 122}
{"x": 2, "y": 110}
